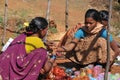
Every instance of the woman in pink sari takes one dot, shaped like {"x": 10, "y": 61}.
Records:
{"x": 27, "y": 55}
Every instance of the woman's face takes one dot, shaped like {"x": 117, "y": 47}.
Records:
{"x": 105, "y": 23}
{"x": 43, "y": 32}
{"x": 90, "y": 23}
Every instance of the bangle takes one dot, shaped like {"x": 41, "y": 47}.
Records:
{"x": 73, "y": 42}
{"x": 64, "y": 48}
{"x": 51, "y": 62}
{"x": 53, "y": 56}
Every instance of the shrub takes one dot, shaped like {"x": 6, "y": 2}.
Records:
{"x": 1, "y": 20}
{"x": 116, "y": 7}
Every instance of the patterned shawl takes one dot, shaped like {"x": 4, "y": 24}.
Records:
{"x": 95, "y": 30}
{"x": 15, "y": 64}
{"x": 88, "y": 50}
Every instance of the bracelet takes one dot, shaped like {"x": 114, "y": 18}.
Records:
{"x": 53, "y": 56}
{"x": 73, "y": 42}
{"x": 64, "y": 48}
{"x": 51, "y": 62}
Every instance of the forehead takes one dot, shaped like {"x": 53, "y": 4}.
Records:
{"x": 89, "y": 19}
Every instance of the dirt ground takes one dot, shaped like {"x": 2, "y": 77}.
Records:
{"x": 27, "y": 9}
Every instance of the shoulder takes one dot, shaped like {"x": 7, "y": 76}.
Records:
{"x": 103, "y": 31}
{"x": 40, "y": 50}
{"x": 80, "y": 33}
{"x": 80, "y": 30}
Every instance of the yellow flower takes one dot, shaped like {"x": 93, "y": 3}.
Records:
{"x": 26, "y": 24}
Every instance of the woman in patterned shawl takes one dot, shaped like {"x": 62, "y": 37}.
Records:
{"x": 27, "y": 56}
{"x": 87, "y": 45}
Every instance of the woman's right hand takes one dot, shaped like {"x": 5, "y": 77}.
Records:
{"x": 57, "y": 51}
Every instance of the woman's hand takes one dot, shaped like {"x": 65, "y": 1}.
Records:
{"x": 117, "y": 53}
{"x": 56, "y": 51}
{"x": 42, "y": 71}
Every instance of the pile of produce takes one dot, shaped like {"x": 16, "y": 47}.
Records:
{"x": 89, "y": 72}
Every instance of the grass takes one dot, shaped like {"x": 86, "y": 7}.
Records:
{"x": 28, "y": 9}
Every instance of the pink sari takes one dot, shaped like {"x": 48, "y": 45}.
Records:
{"x": 15, "y": 64}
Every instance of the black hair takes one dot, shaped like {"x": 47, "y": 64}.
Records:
{"x": 93, "y": 13}
{"x": 36, "y": 24}
{"x": 104, "y": 15}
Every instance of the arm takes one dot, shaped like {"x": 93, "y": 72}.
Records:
{"x": 70, "y": 46}
{"x": 118, "y": 44}
{"x": 115, "y": 47}
{"x": 113, "y": 43}
{"x": 48, "y": 65}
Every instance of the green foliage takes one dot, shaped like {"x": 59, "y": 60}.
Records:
{"x": 117, "y": 7}
{"x": 24, "y": 13}
{"x": 117, "y": 28}
{"x": 19, "y": 24}
{"x": 1, "y": 20}
{"x": 52, "y": 30}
